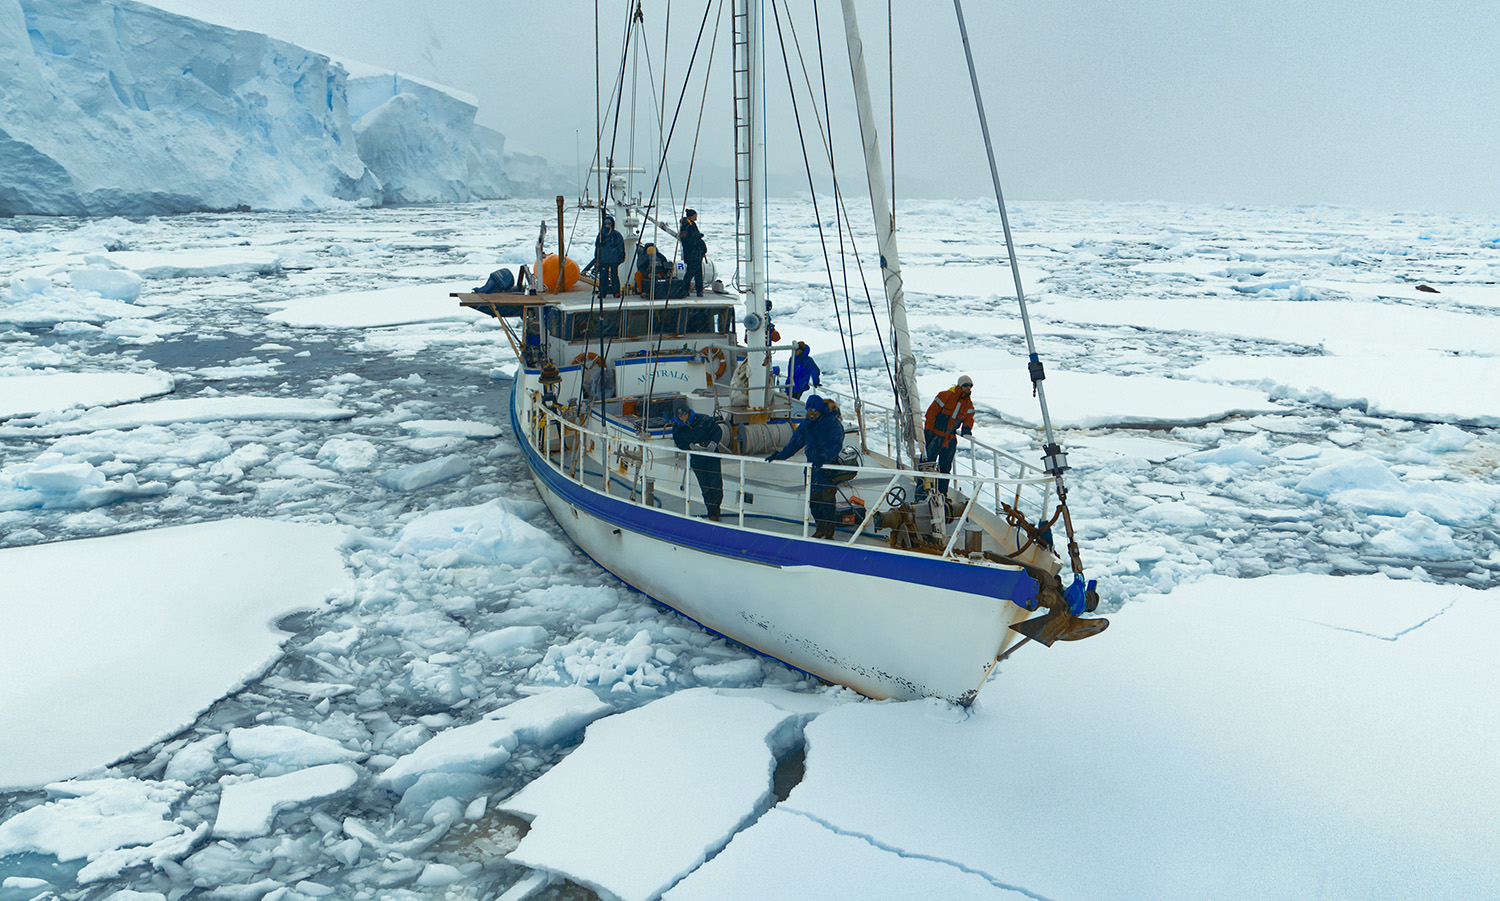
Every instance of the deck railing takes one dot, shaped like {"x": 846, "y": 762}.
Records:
{"x": 631, "y": 467}
{"x": 878, "y": 424}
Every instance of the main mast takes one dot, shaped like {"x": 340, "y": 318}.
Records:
{"x": 749, "y": 138}
{"x": 890, "y": 264}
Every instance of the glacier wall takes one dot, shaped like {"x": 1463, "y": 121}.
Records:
{"x": 415, "y": 137}
{"x": 113, "y": 107}
{"x": 121, "y": 108}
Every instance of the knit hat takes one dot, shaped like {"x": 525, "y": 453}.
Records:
{"x": 964, "y": 382}
{"x": 815, "y": 404}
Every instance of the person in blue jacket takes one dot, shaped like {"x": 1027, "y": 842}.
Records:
{"x": 609, "y": 252}
{"x": 801, "y": 371}
{"x": 689, "y": 428}
{"x": 820, "y": 437}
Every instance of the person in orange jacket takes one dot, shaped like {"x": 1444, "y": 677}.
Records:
{"x": 950, "y": 415}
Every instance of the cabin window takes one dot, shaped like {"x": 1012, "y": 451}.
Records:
{"x": 637, "y": 323}
{"x": 668, "y": 321}
{"x": 707, "y": 321}
{"x": 586, "y": 326}
{"x": 654, "y": 323}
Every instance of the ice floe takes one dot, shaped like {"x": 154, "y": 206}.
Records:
{"x": 86, "y": 619}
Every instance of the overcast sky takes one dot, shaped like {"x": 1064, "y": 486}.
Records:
{"x": 1380, "y": 104}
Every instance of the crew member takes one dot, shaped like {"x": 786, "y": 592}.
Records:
{"x": 802, "y": 371}
{"x": 693, "y": 250}
{"x": 820, "y": 437}
{"x": 689, "y": 428}
{"x": 949, "y": 413}
{"x": 609, "y": 253}
{"x": 649, "y": 267}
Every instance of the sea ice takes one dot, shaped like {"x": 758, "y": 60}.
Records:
{"x": 483, "y": 745}
{"x": 784, "y": 855}
{"x": 115, "y": 642}
{"x": 1342, "y": 327}
{"x": 26, "y": 395}
{"x": 457, "y": 427}
{"x": 187, "y": 409}
{"x": 111, "y": 823}
{"x": 491, "y": 532}
{"x": 1093, "y": 400}
{"x": 286, "y": 748}
{"x": 248, "y": 806}
{"x": 374, "y": 309}
{"x": 695, "y": 764}
{"x": 1207, "y": 769}
{"x": 1429, "y": 386}
{"x": 429, "y": 472}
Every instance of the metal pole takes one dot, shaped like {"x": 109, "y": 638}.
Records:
{"x": 1055, "y": 460}
{"x": 560, "y": 257}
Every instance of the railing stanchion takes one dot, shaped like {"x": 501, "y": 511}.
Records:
{"x": 806, "y": 499}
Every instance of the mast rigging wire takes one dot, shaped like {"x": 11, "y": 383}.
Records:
{"x": 844, "y": 337}
{"x": 1055, "y": 461}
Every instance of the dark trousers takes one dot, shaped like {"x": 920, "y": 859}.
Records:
{"x": 941, "y": 449}
{"x": 609, "y": 281}
{"x": 821, "y": 502}
{"x": 692, "y": 273}
{"x": 710, "y": 482}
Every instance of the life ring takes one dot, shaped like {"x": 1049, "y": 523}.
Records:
{"x": 716, "y": 361}
{"x": 587, "y": 359}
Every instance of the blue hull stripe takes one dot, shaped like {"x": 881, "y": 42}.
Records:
{"x": 773, "y": 550}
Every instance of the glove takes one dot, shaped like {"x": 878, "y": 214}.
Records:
{"x": 772, "y": 458}
{"x": 967, "y": 432}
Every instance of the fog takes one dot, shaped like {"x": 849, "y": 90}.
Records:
{"x": 1381, "y": 105}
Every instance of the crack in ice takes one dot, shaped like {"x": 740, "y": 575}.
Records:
{"x": 1407, "y": 631}
{"x": 909, "y": 855}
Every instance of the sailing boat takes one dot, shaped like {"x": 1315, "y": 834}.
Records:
{"x": 919, "y": 592}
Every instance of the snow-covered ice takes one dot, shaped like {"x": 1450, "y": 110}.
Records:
{"x": 381, "y": 307}
{"x": 115, "y": 642}
{"x": 248, "y": 806}
{"x": 1210, "y": 740}
{"x": 712, "y": 755}
{"x": 187, "y": 409}
{"x": 1285, "y": 472}
{"x": 27, "y": 395}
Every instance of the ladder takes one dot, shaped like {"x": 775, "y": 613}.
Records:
{"x": 741, "y": 26}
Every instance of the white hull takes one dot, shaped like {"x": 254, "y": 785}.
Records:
{"x": 865, "y": 617}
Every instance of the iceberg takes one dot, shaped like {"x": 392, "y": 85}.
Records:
{"x": 120, "y": 108}
{"x": 417, "y": 137}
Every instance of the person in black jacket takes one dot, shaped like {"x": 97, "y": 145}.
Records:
{"x": 689, "y": 428}
{"x": 693, "y": 250}
{"x": 609, "y": 252}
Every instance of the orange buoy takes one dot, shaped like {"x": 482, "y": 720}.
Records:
{"x": 549, "y": 273}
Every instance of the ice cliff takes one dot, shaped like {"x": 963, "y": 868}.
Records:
{"x": 112, "y": 107}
